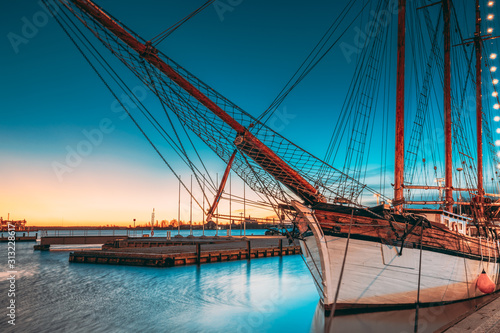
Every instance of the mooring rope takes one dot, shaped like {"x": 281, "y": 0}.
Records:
{"x": 419, "y": 278}
{"x": 332, "y": 312}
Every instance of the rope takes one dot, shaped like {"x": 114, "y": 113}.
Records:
{"x": 163, "y": 35}
{"x": 116, "y": 96}
{"x": 419, "y": 277}
{"x": 332, "y": 312}
{"x": 310, "y": 62}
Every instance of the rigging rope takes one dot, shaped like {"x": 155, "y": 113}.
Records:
{"x": 311, "y": 61}
{"x": 163, "y": 35}
{"x": 130, "y": 96}
{"x": 60, "y": 22}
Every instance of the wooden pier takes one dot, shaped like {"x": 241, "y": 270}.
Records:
{"x": 163, "y": 253}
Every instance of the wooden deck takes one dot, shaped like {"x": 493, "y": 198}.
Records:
{"x": 164, "y": 253}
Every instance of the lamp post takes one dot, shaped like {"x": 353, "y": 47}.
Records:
{"x": 440, "y": 182}
{"x": 460, "y": 190}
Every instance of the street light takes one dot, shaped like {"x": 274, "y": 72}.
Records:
{"x": 460, "y": 191}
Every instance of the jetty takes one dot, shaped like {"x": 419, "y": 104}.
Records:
{"x": 161, "y": 252}
{"x": 47, "y": 241}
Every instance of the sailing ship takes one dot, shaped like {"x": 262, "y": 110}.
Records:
{"x": 395, "y": 254}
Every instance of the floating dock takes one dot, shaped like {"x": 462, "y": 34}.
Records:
{"x": 159, "y": 252}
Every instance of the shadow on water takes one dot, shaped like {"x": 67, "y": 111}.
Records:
{"x": 401, "y": 321}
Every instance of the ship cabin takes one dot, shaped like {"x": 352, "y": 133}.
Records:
{"x": 454, "y": 222}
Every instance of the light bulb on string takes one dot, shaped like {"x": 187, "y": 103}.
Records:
{"x": 490, "y": 17}
{"x": 493, "y": 56}
{"x": 494, "y": 94}
{"x": 493, "y": 69}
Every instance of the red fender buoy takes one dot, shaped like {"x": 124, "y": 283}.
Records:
{"x": 484, "y": 283}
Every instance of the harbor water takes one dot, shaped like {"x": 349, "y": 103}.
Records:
{"x": 262, "y": 295}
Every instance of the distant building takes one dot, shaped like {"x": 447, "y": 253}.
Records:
{"x": 19, "y": 225}
{"x": 210, "y": 225}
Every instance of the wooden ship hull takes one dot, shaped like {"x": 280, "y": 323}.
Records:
{"x": 389, "y": 265}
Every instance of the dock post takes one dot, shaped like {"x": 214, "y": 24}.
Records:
{"x": 281, "y": 247}
{"x": 249, "y": 248}
{"x": 198, "y": 253}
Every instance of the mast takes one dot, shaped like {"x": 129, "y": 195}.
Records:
{"x": 447, "y": 108}
{"x": 479, "y": 105}
{"x": 400, "y": 111}
{"x": 245, "y": 141}
{"x": 215, "y": 204}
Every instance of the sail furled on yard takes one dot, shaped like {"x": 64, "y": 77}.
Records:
{"x": 267, "y": 162}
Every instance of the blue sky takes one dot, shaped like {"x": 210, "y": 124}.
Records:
{"x": 50, "y": 96}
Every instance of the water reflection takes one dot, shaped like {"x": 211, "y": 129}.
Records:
{"x": 403, "y": 321}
